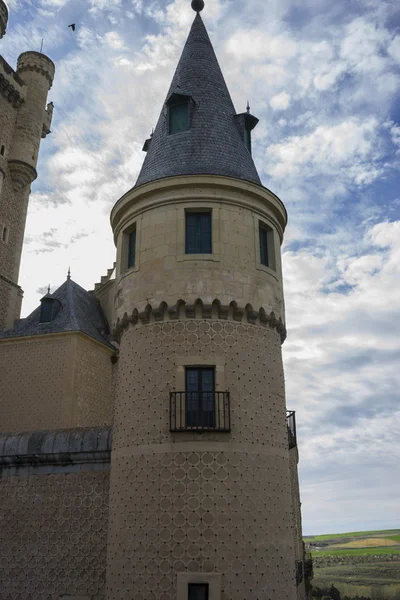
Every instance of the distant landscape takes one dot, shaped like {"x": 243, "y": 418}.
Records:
{"x": 360, "y": 564}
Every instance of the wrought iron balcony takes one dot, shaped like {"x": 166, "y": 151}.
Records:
{"x": 199, "y": 411}
{"x": 291, "y": 428}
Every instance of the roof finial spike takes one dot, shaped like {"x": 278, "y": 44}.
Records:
{"x": 197, "y": 5}
{"x": 69, "y": 273}
{"x": 248, "y": 107}
{"x": 48, "y": 289}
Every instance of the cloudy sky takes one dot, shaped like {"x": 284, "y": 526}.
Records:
{"x": 323, "y": 77}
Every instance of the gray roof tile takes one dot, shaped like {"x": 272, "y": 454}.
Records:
{"x": 213, "y": 145}
{"x": 79, "y": 311}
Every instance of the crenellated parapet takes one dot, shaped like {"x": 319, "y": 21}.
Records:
{"x": 200, "y": 310}
{"x": 38, "y": 63}
{"x": 3, "y": 18}
{"x": 12, "y": 88}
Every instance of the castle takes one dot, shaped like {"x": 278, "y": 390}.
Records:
{"x": 145, "y": 448}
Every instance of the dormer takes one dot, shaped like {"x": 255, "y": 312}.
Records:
{"x": 49, "y": 308}
{"x": 180, "y": 108}
{"x": 246, "y": 122}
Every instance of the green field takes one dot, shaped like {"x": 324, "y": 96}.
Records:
{"x": 351, "y": 534}
{"x": 372, "y": 572}
{"x": 356, "y": 551}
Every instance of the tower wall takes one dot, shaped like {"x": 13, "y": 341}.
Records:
{"x": 3, "y": 18}
{"x": 210, "y": 505}
{"x": 24, "y": 120}
{"x": 37, "y": 72}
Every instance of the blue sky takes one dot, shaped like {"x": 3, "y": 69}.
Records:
{"x": 323, "y": 78}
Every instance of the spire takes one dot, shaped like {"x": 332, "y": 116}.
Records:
{"x": 211, "y": 138}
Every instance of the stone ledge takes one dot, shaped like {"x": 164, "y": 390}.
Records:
{"x": 55, "y": 448}
{"x": 199, "y": 310}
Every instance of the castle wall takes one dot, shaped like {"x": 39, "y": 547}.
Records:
{"x": 93, "y": 384}
{"x": 210, "y": 503}
{"x": 164, "y": 273}
{"x": 54, "y": 381}
{"x": 296, "y": 511}
{"x": 53, "y": 535}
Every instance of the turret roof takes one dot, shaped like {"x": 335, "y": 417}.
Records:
{"x": 213, "y": 144}
{"x": 78, "y": 310}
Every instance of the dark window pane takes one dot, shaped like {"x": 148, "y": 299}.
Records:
{"x": 264, "y": 247}
{"x": 198, "y": 591}
{"x": 132, "y": 249}
{"x": 200, "y": 397}
{"x": 46, "y": 310}
{"x": 179, "y": 118}
{"x": 198, "y": 233}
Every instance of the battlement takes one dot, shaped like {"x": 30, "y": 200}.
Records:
{"x": 3, "y": 18}
{"x": 38, "y": 62}
{"x": 12, "y": 88}
{"x": 105, "y": 278}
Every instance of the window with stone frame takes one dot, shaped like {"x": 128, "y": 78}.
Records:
{"x": 198, "y": 232}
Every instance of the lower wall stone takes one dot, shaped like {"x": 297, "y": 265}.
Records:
{"x": 53, "y": 531}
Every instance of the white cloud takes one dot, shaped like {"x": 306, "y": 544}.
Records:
{"x": 280, "y": 101}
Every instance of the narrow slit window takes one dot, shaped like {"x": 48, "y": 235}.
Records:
{"x": 4, "y": 235}
{"x": 198, "y": 591}
{"x": 198, "y": 233}
{"x": 264, "y": 256}
{"x": 131, "y": 249}
{"x": 179, "y": 117}
{"x": 2, "y": 150}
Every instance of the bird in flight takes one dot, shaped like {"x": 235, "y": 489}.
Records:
{"x": 72, "y": 26}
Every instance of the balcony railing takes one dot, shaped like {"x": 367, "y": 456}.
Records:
{"x": 291, "y": 428}
{"x": 199, "y": 411}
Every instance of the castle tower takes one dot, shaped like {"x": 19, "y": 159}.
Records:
{"x": 200, "y": 492}
{"x": 24, "y": 120}
{"x": 3, "y": 18}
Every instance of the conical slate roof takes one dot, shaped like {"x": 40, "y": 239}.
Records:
{"x": 213, "y": 144}
{"x": 76, "y": 310}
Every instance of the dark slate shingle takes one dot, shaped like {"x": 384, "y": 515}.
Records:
{"x": 213, "y": 144}
{"x": 79, "y": 311}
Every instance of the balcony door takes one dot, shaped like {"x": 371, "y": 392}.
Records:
{"x": 200, "y": 397}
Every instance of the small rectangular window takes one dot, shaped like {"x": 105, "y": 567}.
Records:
{"x": 264, "y": 258}
{"x": 131, "y": 248}
{"x": 198, "y": 233}
{"x": 198, "y": 591}
{"x": 178, "y": 117}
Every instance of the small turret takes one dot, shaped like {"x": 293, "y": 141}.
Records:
{"x": 3, "y": 18}
{"x": 33, "y": 122}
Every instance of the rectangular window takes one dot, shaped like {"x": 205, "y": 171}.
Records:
{"x": 178, "y": 117}
{"x": 247, "y": 139}
{"x": 131, "y": 248}
{"x": 198, "y": 233}
{"x": 264, "y": 257}
{"x": 200, "y": 397}
{"x": 198, "y": 591}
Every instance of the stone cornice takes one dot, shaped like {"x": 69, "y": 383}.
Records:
{"x": 188, "y": 188}
{"x": 21, "y": 174}
{"x": 55, "y": 448}
{"x": 10, "y": 282}
{"x": 199, "y": 310}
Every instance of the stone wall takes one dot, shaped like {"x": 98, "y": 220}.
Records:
{"x": 210, "y": 503}
{"x": 53, "y": 531}
{"x": 93, "y": 384}
{"x": 54, "y": 381}
{"x": 232, "y": 272}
